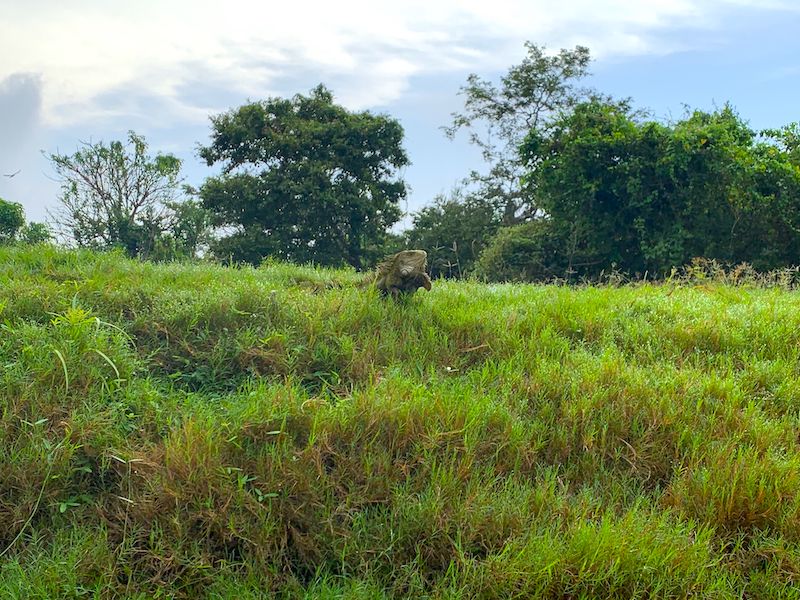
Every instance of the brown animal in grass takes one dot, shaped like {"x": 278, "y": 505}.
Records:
{"x": 403, "y": 273}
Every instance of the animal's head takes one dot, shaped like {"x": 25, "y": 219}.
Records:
{"x": 411, "y": 262}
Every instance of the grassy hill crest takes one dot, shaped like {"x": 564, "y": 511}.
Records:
{"x": 192, "y": 430}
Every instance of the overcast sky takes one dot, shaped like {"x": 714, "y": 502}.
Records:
{"x": 93, "y": 69}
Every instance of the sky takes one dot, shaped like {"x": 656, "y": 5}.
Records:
{"x": 91, "y": 70}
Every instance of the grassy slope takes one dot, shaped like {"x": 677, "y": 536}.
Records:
{"x": 199, "y": 431}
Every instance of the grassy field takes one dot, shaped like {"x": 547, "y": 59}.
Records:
{"x": 194, "y": 431}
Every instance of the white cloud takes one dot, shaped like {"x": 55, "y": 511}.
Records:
{"x": 88, "y": 49}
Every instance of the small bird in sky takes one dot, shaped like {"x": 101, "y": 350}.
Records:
{"x": 11, "y": 174}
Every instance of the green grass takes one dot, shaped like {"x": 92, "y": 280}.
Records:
{"x": 194, "y": 431}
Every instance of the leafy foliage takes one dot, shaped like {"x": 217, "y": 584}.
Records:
{"x": 12, "y": 219}
{"x": 14, "y": 228}
{"x": 116, "y": 195}
{"x": 497, "y": 118}
{"x": 641, "y": 196}
{"x": 35, "y": 233}
{"x": 453, "y": 230}
{"x": 533, "y": 251}
{"x": 304, "y": 180}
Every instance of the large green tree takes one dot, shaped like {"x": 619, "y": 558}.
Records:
{"x": 304, "y": 179}
{"x": 498, "y": 116}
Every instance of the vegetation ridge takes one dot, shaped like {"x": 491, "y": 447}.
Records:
{"x": 191, "y": 430}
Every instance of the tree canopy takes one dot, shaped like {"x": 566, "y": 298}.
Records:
{"x": 13, "y": 227}
{"x": 498, "y": 117}
{"x": 304, "y": 179}
{"x": 117, "y": 195}
{"x": 641, "y": 195}
{"x": 12, "y": 219}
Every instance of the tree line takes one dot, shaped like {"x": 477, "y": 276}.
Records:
{"x": 576, "y": 183}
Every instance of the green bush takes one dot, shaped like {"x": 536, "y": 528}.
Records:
{"x": 454, "y": 231}
{"x": 644, "y": 197}
{"x": 534, "y": 251}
